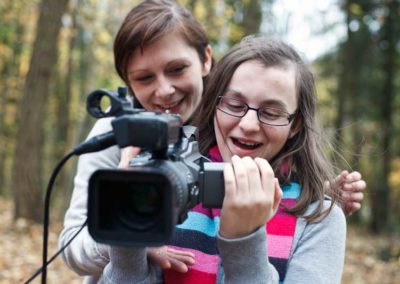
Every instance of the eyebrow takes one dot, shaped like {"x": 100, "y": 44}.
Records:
{"x": 240, "y": 95}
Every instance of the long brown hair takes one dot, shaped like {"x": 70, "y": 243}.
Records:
{"x": 303, "y": 152}
{"x": 150, "y": 20}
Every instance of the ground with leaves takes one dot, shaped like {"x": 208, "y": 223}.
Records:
{"x": 369, "y": 259}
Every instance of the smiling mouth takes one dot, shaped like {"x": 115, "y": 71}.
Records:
{"x": 245, "y": 145}
{"x": 168, "y": 108}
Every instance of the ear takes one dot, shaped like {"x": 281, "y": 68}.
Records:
{"x": 208, "y": 61}
{"x": 296, "y": 126}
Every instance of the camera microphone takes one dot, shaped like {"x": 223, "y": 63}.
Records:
{"x": 96, "y": 143}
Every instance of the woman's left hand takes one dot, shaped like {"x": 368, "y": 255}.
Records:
{"x": 170, "y": 258}
{"x": 252, "y": 196}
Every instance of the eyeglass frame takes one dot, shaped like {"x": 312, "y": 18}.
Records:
{"x": 290, "y": 117}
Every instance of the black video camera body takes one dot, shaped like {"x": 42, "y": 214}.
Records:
{"x": 141, "y": 205}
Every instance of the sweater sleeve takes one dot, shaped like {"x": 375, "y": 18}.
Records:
{"x": 318, "y": 249}
{"x": 129, "y": 265}
{"x": 84, "y": 255}
{"x": 246, "y": 258}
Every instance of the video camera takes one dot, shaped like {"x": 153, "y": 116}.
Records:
{"x": 141, "y": 205}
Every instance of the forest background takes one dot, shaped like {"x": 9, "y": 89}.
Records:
{"x": 54, "y": 53}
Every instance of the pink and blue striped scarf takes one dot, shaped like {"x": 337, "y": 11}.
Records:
{"x": 198, "y": 235}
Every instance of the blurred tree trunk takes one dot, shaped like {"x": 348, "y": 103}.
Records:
{"x": 85, "y": 76}
{"x": 27, "y": 184}
{"x": 358, "y": 49}
{"x": 192, "y": 5}
{"x": 381, "y": 190}
{"x": 252, "y": 17}
{"x": 62, "y": 140}
{"x": 345, "y": 78}
{"x": 351, "y": 92}
{"x": 80, "y": 73}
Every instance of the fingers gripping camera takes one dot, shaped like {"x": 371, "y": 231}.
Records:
{"x": 141, "y": 205}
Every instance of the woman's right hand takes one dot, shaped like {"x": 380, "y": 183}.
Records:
{"x": 252, "y": 196}
{"x": 126, "y": 155}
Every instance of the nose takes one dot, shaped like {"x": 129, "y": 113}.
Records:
{"x": 164, "y": 87}
{"x": 250, "y": 122}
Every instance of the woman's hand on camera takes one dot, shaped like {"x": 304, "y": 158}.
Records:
{"x": 169, "y": 258}
{"x": 252, "y": 196}
{"x": 126, "y": 155}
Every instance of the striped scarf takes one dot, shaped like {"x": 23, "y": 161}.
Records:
{"x": 198, "y": 235}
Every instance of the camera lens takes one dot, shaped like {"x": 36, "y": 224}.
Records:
{"x": 140, "y": 206}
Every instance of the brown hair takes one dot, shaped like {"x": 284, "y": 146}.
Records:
{"x": 307, "y": 162}
{"x": 150, "y": 20}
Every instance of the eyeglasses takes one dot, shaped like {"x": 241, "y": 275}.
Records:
{"x": 266, "y": 115}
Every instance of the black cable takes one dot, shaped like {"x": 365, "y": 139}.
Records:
{"x": 56, "y": 254}
{"x": 47, "y": 211}
{"x": 94, "y": 144}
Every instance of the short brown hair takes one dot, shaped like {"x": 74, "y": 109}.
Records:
{"x": 150, "y": 20}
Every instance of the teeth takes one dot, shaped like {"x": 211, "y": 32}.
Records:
{"x": 167, "y": 107}
{"x": 248, "y": 144}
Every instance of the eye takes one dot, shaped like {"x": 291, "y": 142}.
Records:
{"x": 272, "y": 114}
{"x": 234, "y": 105}
{"x": 178, "y": 69}
{"x": 142, "y": 78}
